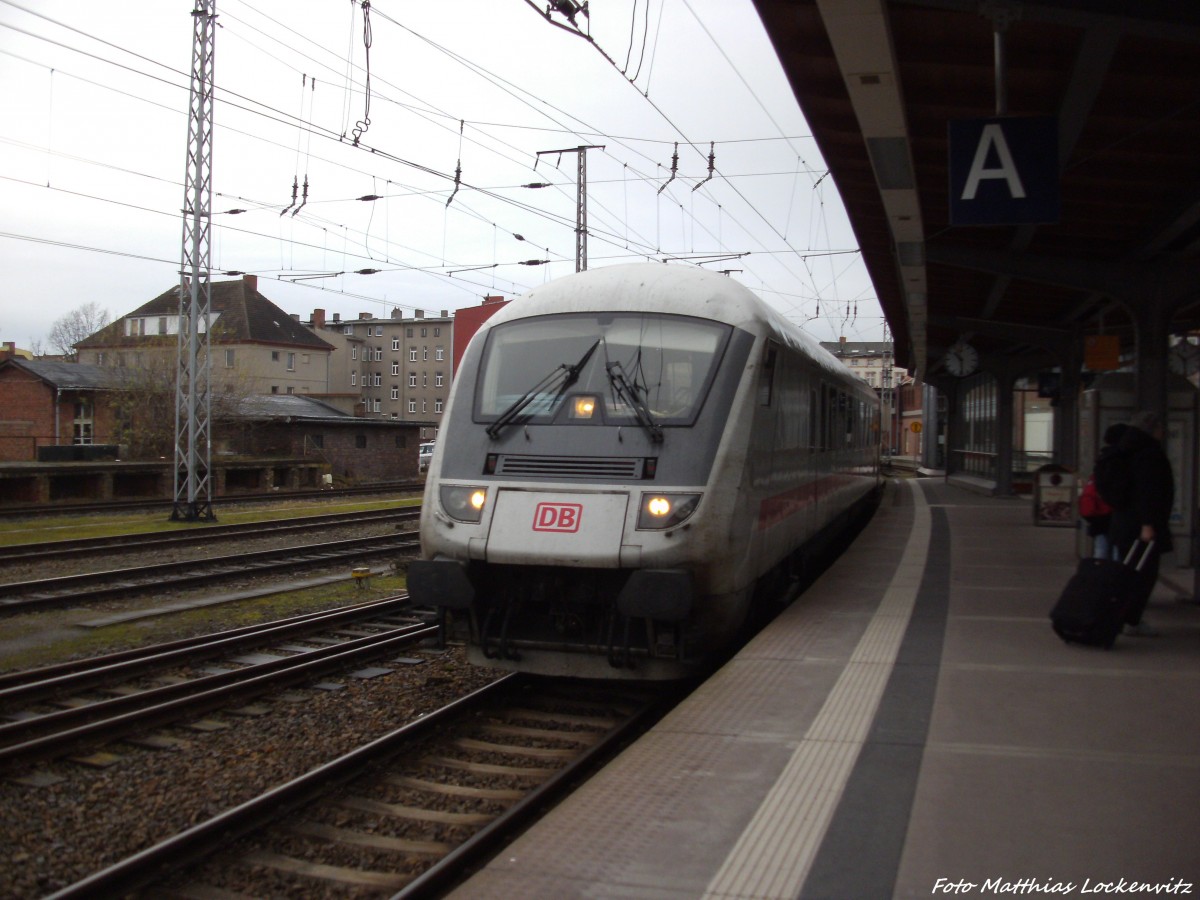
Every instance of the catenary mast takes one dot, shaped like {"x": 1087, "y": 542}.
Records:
{"x": 193, "y": 406}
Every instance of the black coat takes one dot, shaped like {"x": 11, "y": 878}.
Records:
{"x": 1153, "y": 492}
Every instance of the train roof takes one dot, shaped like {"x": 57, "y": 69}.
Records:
{"x": 664, "y": 288}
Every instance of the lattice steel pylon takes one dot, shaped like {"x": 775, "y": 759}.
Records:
{"x": 193, "y": 402}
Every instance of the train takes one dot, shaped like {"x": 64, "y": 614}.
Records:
{"x": 634, "y": 463}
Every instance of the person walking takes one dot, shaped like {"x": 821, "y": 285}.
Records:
{"x": 1146, "y": 515}
{"x": 1096, "y": 513}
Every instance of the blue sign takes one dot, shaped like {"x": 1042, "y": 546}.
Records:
{"x": 1004, "y": 171}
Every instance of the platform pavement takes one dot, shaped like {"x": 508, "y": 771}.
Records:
{"x": 995, "y": 760}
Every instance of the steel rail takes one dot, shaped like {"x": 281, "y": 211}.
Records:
{"x": 197, "y": 842}
{"x": 170, "y": 702}
{"x": 25, "y": 595}
{"x": 198, "y": 534}
{"x": 59, "y": 507}
{"x": 81, "y": 674}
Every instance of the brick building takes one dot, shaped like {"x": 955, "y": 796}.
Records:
{"x": 55, "y": 404}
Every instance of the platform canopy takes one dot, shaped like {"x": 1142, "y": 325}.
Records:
{"x": 885, "y": 83}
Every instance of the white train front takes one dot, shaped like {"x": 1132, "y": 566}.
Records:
{"x": 631, "y": 459}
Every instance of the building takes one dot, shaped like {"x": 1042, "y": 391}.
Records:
{"x": 256, "y": 347}
{"x": 47, "y": 406}
{"x": 400, "y": 368}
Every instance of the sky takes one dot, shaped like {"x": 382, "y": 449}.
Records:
{"x": 391, "y": 102}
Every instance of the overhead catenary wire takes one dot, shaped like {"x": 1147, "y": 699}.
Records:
{"x": 618, "y": 225}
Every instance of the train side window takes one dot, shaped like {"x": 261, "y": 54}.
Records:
{"x": 766, "y": 385}
{"x": 813, "y": 418}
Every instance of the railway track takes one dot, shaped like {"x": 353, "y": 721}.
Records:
{"x": 25, "y": 596}
{"x": 201, "y": 534}
{"x": 59, "y": 709}
{"x": 58, "y": 508}
{"x": 409, "y": 812}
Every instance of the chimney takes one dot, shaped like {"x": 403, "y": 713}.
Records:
{"x": 295, "y": 316}
{"x": 9, "y": 351}
{"x": 842, "y": 339}
{"x": 396, "y": 313}
{"x": 364, "y": 315}
{"x": 337, "y": 317}
{"x": 445, "y": 314}
{"x": 250, "y": 281}
{"x": 489, "y": 301}
{"x": 318, "y": 319}
{"x": 419, "y": 313}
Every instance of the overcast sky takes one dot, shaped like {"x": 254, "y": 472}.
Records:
{"x": 93, "y": 154}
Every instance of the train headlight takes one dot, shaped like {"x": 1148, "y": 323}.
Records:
{"x": 666, "y": 510}
{"x": 463, "y": 502}
{"x": 584, "y": 407}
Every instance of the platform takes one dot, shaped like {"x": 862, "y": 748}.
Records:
{"x": 910, "y": 727}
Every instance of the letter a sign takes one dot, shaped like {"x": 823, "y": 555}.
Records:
{"x": 1004, "y": 171}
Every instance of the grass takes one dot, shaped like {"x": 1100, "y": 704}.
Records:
{"x": 68, "y": 527}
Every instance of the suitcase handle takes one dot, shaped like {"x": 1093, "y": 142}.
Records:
{"x": 1145, "y": 554}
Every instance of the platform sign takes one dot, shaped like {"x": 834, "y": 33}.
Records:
{"x": 1101, "y": 352}
{"x": 1004, "y": 171}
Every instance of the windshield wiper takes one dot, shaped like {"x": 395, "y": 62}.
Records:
{"x": 569, "y": 375}
{"x": 628, "y": 393}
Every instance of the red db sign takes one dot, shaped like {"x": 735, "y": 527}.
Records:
{"x": 561, "y": 517}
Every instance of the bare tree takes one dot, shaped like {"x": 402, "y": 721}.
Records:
{"x": 79, "y": 323}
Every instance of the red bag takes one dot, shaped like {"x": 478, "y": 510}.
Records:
{"x": 1091, "y": 504}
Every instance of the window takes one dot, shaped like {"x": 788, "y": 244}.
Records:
{"x": 274, "y": 356}
{"x": 412, "y": 354}
{"x": 82, "y": 426}
{"x": 408, "y": 332}
{"x": 437, "y": 407}
{"x": 424, "y": 332}
{"x": 412, "y": 405}
{"x": 438, "y": 380}
{"x": 424, "y": 406}
{"x": 412, "y": 379}
{"x": 674, "y": 357}
{"x": 395, "y": 368}
{"x": 291, "y": 362}
{"x": 378, "y": 379}
{"x": 354, "y": 353}
{"x": 379, "y": 352}
{"x": 353, "y": 379}
{"x": 424, "y": 379}
{"x": 291, "y": 390}
{"x": 377, "y": 404}
{"x": 439, "y": 354}
{"x": 229, "y": 358}
{"x": 349, "y": 329}
{"x": 395, "y": 343}
{"x": 318, "y": 440}
{"x": 162, "y": 324}
{"x": 424, "y": 353}
{"x": 395, "y": 392}
{"x": 437, "y": 332}
{"x": 274, "y": 389}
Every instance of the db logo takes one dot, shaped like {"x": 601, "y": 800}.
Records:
{"x": 562, "y": 517}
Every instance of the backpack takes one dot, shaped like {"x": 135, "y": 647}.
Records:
{"x": 1091, "y": 504}
{"x": 1113, "y": 476}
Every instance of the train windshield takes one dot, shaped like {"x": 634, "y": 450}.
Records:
{"x": 650, "y": 370}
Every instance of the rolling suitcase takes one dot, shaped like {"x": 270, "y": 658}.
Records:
{"x": 1091, "y": 609}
